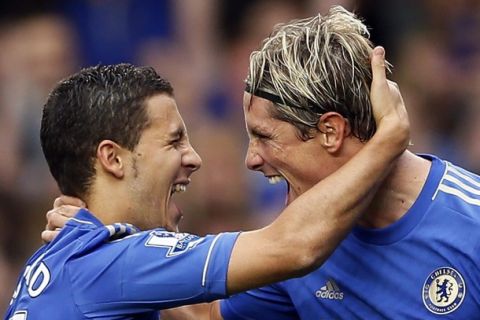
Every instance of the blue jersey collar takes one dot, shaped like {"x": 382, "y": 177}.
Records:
{"x": 84, "y": 217}
{"x": 399, "y": 229}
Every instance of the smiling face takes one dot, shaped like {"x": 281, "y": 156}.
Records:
{"x": 276, "y": 150}
{"x": 160, "y": 165}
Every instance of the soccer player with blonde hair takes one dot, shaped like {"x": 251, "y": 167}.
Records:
{"x": 414, "y": 251}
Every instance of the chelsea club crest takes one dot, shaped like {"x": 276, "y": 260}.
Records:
{"x": 443, "y": 291}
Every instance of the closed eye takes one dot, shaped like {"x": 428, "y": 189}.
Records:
{"x": 177, "y": 138}
{"x": 177, "y": 142}
{"x": 260, "y": 135}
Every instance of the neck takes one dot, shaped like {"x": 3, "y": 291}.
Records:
{"x": 106, "y": 208}
{"x": 398, "y": 191}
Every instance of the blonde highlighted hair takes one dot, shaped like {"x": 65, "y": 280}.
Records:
{"x": 316, "y": 65}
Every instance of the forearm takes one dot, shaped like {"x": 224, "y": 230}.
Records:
{"x": 202, "y": 311}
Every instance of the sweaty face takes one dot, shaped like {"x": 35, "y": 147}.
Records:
{"x": 161, "y": 165}
{"x": 276, "y": 150}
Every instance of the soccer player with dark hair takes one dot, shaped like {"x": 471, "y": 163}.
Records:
{"x": 113, "y": 137}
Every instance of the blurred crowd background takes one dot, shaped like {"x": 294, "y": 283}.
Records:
{"x": 202, "y": 47}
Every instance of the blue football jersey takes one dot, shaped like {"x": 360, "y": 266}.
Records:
{"x": 424, "y": 266}
{"x": 93, "y": 271}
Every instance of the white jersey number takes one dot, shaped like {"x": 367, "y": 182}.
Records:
{"x": 42, "y": 273}
{"x": 36, "y": 278}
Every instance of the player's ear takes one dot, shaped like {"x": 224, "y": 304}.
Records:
{"x": 110, "y": 156}
{"x": 334, "y": 128}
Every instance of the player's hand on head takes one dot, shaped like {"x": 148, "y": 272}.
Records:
{"x": 387, "y": 102}
{"x": 64, "y": 208}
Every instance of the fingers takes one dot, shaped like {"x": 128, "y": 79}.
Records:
{"x": 379, "y": 74}
{"x": 382, "y": 92}
{"x": 55, "y": 220}
{"x": 67, "y": 200}
{"x": 394, "y": 93}
{"x": 64, "y": 208}
{"x": 48, "y": 235}
{"x": 58, "y": 217}
{"x": 387, "y": 104}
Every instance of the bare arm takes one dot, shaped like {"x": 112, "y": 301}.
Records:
{"x": 201, "y": 311}
{"x": 312, "y": 226}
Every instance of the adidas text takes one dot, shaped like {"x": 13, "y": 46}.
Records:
{"x": 332, "y": 295}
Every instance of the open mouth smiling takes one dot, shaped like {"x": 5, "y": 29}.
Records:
{"x": 178, "y": 187}
{"x": 274, "y": 179}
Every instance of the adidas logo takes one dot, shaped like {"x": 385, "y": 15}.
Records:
{"x": 330, "y": 291}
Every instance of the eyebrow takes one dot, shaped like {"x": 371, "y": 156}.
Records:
{"x": 178, "y": 133}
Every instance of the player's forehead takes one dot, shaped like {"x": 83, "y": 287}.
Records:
{"x": 256, "y": 108}
{"x": 164, "y": 117}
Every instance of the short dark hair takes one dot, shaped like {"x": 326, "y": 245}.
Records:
{"x": 97, "y": 103}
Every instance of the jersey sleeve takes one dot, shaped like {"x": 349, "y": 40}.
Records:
{"x": 151, "y": 271}
{"x": 270, "y": 302}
